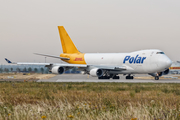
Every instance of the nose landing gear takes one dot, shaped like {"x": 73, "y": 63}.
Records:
{"x": 156, "y": 77}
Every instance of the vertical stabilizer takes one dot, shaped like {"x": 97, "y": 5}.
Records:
{"x": 67, "y": 44}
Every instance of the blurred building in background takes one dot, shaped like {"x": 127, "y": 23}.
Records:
{"x": 175, "y": 68}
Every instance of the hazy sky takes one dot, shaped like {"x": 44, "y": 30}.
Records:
{"x": 29, "y": 26}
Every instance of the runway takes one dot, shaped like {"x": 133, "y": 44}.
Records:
{"x": 86, "y": 78}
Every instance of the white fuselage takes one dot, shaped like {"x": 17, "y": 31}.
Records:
{"x": 139, "y": 62}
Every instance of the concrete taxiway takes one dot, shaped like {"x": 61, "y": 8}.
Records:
{"x": 86, "y": 78}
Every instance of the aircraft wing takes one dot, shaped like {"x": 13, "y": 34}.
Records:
{"x": 70, "y": 65}
{"x": 110, "y": 67}
{"x": 46, "y": 64}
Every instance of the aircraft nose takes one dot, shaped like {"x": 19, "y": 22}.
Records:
{"x": 164, "y": 63}
{"x": 168, "y": 62}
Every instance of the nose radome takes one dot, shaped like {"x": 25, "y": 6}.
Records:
{"x": 168, "y": 62}
{"x": 164, "y": 63}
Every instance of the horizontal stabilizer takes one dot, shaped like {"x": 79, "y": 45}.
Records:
{"x": 52, "y": 56}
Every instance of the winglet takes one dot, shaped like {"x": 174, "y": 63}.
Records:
{"x": 8, "y": 60}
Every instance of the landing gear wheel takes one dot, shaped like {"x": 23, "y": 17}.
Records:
{"x": 111, "y": 75}
{"x": 104, "y": 77}
{"x": 115, "y": 77}
{"x": 156, "y": 77}
{"x": 129, "y": 77}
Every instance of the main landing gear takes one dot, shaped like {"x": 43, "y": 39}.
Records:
{"x": 106, "y": 76}
{"x": 116, "y": 77}
{"x": 129, "y": 77}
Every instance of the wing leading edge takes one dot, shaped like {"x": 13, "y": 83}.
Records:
{"x": 69, "y": 65}
{"x": 53, "y": 64}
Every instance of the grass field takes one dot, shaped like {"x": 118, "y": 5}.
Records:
{"x": 27, "y": 76}
{"x": 89, "y": 101}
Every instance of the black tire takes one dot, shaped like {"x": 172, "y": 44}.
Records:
{"x": 107, "y": 77}
{"x": 129, "y": 77}
{"x": 111, "y": 76}
{"x": 104, "y": 77}
{"x": 116, "y": 77}
{"x": 156, "y": 77}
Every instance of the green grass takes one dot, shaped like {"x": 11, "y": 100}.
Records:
{"x": 31, "y": 100}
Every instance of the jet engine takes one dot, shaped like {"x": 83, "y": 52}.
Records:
{"x": 58, "y": 70}
{"x": 96, "y": 72}
{"x": 166, "y": 72}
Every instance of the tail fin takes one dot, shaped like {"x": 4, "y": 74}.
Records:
{"x": 67, "y": 44}
{"x": 8, "y": 60}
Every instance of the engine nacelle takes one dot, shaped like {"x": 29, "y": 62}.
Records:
{"x": 160, "y": 73}
{"x": 58, "y": 70}
{"x": 96, "y": 72}
{"x": 166, "y": 72}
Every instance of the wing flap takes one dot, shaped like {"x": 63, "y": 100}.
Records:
{"x": 112, "y": 67}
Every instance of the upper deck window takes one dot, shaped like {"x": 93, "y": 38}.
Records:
{"x": 160, "y": 53}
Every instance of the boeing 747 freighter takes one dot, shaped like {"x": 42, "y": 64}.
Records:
{"x": 106, "y": 65}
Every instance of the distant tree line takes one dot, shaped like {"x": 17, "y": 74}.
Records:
{"x": 35, "y": 70}
{"x": 40, "y": 69}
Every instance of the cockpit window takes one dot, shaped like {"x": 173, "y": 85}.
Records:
{"x": 160, "y": 53}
